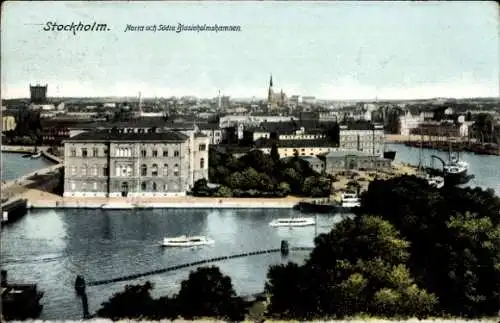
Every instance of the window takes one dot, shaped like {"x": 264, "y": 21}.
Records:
{"x": 143, "y": 186}
{"x": 72, "y": 152}
{"x": 95, "y": 152}
{"x": 154, "y": 187}
{"x": 94, "y": 186}
{"x": 84, "y": 170}
{"x": 202, "y": 163}
{"x": 155, "y": 153}
{"x": 105, "y": 151}
{"x": 143, "y": 152}
{"x": 144, "y": 170}
{"x": 176, "y": 170}
{"x": 165, "y": 153}
{"x": 166, "y": 187}
{"x": 105, "y": 171}
{"x": 165, "y": 169}
{"x": 72, "y": 185}
{"x": 84, "y": 152}
{"x": 94, "y": 170}
{"x": 202, "y": 147}
{"x": 73, "y": 170}
{"x": 176, "y": 153}
{"x": 154, "y": 170}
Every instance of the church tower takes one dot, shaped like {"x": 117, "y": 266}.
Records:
{"x": 270, "y": 94}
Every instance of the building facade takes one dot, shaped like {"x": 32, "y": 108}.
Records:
{"x": 114, "y": 163}
{"x": 363, "y": 137}
{"x": 355, "y": 160}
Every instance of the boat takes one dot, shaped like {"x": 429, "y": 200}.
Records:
{"x": 14, "y": 210}
{"x": 36, "y": 155}
{"x": 316, "y": 206}
{"x": 20, "y": 301}
{"x": 349, "y": 200}
{"x": 292, "y": 222}
{"x": 27, "y": 155}
{"x": 455, "y": 172}
{"x": 118, "y": 206}
{"x": 185, "y": 241}
{"x": 436, "y": 181}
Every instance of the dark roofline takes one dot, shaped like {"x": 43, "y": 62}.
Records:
{"x": 107, "y": 136}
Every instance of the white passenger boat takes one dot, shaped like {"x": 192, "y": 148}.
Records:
{"x": 118, "y": 206}
{"x": 184, "y": 241}
{"x": 292, "y": 222}
{"x": 36, "y": 155}
{"x": 349, "y": 200}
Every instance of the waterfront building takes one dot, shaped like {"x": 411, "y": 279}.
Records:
{"x": 120, "y": 162}
{"x": 407, "y": 122}
{"x": 362, "y": 136}
{"x": 8, "y": 123}
{"x": 299, "y": 147}
{"x": 355, "y": 160}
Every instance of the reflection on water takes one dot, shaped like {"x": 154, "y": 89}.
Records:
{"x": 51, "y": 247}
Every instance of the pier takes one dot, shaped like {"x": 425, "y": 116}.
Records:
{"x": 192, "y": 264}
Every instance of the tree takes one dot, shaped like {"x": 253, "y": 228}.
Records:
{"x": 200, "y": 188}
{"x": 209, "y": 293}
{"x": 275, "y": 156}
{"x": 357, "y": 268}
{"x": 134, "y": 302}
{"x": 454, "y": 240}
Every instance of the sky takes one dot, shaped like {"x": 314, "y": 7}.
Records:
{"x": 330, "y": 50}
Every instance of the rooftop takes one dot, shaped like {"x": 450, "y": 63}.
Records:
{"x": 348, "y": 153}
{"x": 107, "y": 135}
{"x": 294, "y": 143}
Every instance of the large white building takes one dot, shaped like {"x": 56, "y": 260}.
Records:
{"x": 114, "y": 163}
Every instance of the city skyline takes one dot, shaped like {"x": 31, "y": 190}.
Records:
{"x": 336, "y": 50}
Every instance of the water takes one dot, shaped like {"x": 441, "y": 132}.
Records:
{"x": 486, "y": 169}
{"x": 51, "y": 247}
{"x": 14, "y": 166}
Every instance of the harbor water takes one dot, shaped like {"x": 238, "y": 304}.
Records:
{"x": 14, "y": 166}
{"x": 52, "y": 247}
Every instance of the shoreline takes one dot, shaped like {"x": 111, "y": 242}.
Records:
{"x": 43, "y": 200}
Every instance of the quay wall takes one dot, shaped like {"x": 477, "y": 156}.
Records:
{"x": 187, "y": 202}
{"x": 395, "y": 139}
{"x": 21, "y": 149}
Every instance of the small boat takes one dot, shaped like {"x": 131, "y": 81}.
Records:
{"x": 436, "y": 181}
{"x": 350, "y": 200}
{"x": 292, "y": 222}
{"x": 118, "y": 206}
{"x": 185, "y": 241}
{"x": 36, "y": 155}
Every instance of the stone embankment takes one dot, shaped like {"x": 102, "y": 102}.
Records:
{"x": 401, "y": 139}
{"x": 47, "y": 200}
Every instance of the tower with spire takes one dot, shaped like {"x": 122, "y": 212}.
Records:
{"x": 271, "y": 104}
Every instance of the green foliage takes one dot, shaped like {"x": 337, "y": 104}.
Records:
{"x": 259, "y": 174}
{"x": 357, "y": 268}
{"x": 455, "y": 240}
{"x": 134, "y": 302}
{"x": 206, "y": 293}
{"x": 209, "y": 293}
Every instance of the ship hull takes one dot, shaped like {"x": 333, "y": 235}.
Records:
{"x": 457, "y": 178}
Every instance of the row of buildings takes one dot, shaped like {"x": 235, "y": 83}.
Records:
{"x": 150, "y": 158}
